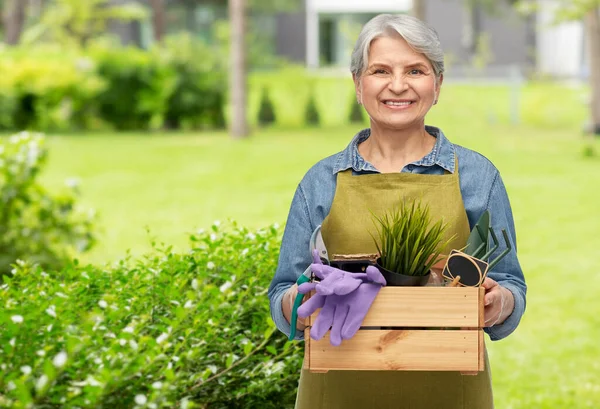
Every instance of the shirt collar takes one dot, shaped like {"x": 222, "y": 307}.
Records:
{"x": 442, "y": 154}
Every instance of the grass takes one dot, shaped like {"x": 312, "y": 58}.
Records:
{"x": 177, "y": 183}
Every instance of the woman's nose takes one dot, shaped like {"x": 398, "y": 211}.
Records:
{"x": 397, "y": 84}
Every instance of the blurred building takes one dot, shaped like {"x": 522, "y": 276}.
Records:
{"x": 321, "y": 33}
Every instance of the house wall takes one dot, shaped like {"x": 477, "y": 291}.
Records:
{"x": 511, "y": 37}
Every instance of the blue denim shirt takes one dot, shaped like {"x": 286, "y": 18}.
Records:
{"x": 481, "y": 187}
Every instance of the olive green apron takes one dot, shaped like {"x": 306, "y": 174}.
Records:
{"x": 346, "y": 231}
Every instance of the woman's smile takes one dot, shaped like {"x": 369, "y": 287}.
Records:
{"x": 398, "y": 104}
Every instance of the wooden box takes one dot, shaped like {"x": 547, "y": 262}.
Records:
{"x": 426, "y": 329}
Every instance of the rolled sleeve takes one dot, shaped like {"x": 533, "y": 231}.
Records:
{"x": 294, "y": 258}
{"x": 507, "y": 272}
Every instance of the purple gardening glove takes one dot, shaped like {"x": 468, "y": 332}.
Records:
{"x": 341, "y": 310}
{"x": 333, "y": 280}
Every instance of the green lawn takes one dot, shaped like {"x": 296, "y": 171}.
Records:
{"x": 177, "y": 183}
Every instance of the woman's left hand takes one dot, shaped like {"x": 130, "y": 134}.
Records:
{"x": 499, "y": 302}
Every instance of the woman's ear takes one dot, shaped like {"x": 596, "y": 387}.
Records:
{"x": 357, "y": 88}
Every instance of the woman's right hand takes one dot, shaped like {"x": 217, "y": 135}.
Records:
{"x": 287, "y": 302}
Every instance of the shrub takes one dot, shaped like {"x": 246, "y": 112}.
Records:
{"x": 266, "y": 113}
{"x": 34, "y": 224}
{"x": 171, "y": 330}
{"x": 198, "y": 96}
{"x": 312, "y": 114}
{"x": 138, "y": 87}
{"x": 46, "y": 88}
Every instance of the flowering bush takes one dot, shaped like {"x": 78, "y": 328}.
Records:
{"x": 34, "y": 224}
{"x": 164, "y": 331}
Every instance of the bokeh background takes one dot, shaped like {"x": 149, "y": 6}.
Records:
{"x": 160, "y": 117}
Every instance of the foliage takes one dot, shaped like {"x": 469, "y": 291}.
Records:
{"x": 167, "y": 330}
{"x": 138, "y": 87}
{"x": 566, "y": 10}
{"x": 407, "y": 240}
{"x": 266, "y": 112}
{"x": 198, "y": 95}
{"x": 46, "y": 88}
{"x": 311, "y": 114}
{"x": 35, "y": 224}
{"x": 76, "y": 22}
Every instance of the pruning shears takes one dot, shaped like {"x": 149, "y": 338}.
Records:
{"x": 315, "y": 243}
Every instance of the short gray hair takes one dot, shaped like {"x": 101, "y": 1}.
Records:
{"x": 420, "y": 36}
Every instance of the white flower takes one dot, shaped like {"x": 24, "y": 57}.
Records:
{"x": 43, "y": 293}
{"x": 103, "y": 304}
{"x": 41, "y": 382}
{"x": 11, "y": 385}
{"x": 210, "y": 265}
{"x": 177, "y": 303}
{"x": 141, "y": 399}
{"x": 17, "y": 319}
{"x": 133, "y": 344}
{"x": 184, "y": 403}
{"x": 175, "y": 358}
{"x": 60, "y": 359}
{"x": 217, "y": 223}
{"x": 244, "y": 252}
{"x": 51, "y": 311}
{"x": 41, "y": 352}
{"x": 122, "y": 342}
{"x": 213, "y": 237}
{"x": 213, "y": 368}
{"x": 250, "y": 236}
{"x": 49, "y": 327}
{"x": 128, "y": 330}
{"x": 275, "y": 225}
{"x": 157, "y": 385}
{"x": 188, "y": 304}
{"x": 195, "y": 284}
{"x": 12, "y": 342}
{"x": 226, "y": 286}
{"x": 97, "y": 361}
{"x": 61, "y": 295}
{"x": 162, "y": 338}
{"x": 26, "y": 369}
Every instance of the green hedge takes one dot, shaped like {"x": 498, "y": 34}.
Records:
{"x": 182, "y": 84}
{"x": 165, "y": 331}
{"x": 179, "y": 84}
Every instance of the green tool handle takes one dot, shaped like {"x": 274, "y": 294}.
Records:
{"x": 297, "y": 302}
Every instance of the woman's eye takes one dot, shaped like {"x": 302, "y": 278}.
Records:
{"x": 415, "y": 72}
{"x": 379, "y": 71}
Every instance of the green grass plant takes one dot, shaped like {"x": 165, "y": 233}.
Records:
{"x": 408, "y": 240}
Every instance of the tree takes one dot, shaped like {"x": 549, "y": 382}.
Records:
{"x": 14, "y": 19}
{"x": 77, "y": 22}
{"x": 587, "y": 11}
{"x": 592, "y": 23}
{"x": 238, "y": 83}
{"x": 419, "y": 10}
{"x": 159, "y": 18}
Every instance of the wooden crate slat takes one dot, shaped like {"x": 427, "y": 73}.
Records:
{"x": 427, "y": 350}
{"x": 423, "y": 307}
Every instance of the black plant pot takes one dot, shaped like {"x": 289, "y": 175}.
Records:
{"x": 400, "y": 280}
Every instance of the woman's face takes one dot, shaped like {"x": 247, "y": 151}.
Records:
{"x": 398, "y": 86}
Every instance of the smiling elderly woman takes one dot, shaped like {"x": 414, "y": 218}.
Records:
{"x": 397, "y": 68}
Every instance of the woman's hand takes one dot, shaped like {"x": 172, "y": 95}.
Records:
{"x": 287, "y": 303}
{"x": 499, "y": 302}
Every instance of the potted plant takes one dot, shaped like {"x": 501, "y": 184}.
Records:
{"x": 408, "y": 243}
